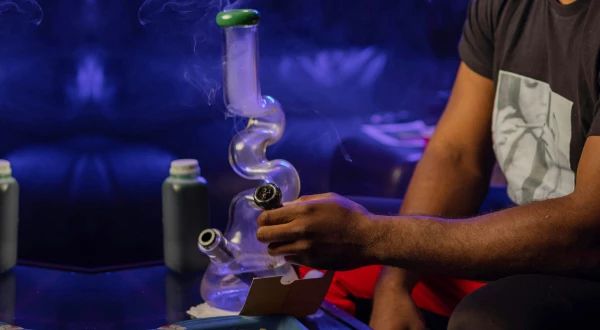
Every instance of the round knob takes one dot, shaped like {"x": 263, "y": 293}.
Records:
{"x": 268, "y": 196}
{"x": 208, "y": 238}
{"x": 238, "y": 18}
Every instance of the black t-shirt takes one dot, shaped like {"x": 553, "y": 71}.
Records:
{"x": 543, "y": 58}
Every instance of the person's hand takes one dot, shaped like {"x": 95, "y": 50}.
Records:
{"x": 393, "y": 306}
{"x": 400, "y": 313}
{"x": 322, "y": 231}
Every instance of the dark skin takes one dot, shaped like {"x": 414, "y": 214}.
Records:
{"x": 449, "y": 181}
{"x": 442, "y": 187}
{"x": 556, "y": 236}
{"x": 445, "y": 163}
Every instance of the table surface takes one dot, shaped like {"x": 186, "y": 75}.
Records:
{"x": 142, "y": 298}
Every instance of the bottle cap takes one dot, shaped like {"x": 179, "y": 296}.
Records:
{"x": 5, "y": 167}
{"x": 184, "y": 167}
{"x": 238, "y": 18}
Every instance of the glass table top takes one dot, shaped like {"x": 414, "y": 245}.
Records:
{"x": 136, "y": 299}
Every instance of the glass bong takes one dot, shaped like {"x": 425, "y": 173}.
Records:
{"x": 236, "y": 255}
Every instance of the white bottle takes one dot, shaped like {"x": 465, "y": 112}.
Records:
{"x": 9, "y": 217}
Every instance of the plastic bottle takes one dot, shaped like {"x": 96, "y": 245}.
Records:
{"x": 9, "y": 217}
{"x": 185, "y": 215}
{"x": 8, "y": 297}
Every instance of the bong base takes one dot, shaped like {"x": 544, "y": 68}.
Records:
{"x": 232, "y": 292}
{"x": 226, "y": 285}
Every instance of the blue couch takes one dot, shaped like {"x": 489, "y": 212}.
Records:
{"x": 92, "y": 113}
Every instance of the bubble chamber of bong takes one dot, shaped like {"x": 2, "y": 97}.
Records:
{"x": 266, "y": 118}
{"x": 221, "y": 285}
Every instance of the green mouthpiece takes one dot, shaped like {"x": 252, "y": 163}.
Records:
{"x": 238, "y": 17}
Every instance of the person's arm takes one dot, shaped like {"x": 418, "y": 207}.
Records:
{"x": 450, "y": 180}
{"x": 558, "y": 236}
{"x": 453, "y": 175}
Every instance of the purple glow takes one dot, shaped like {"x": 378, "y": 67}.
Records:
{"x": 90, "y": 85}
{"x": 90, "y": 79}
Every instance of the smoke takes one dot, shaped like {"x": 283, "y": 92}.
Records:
{"x": 194, "y": 19}
{"x": 18, "y": 16}
{"x": 194, "y": 11}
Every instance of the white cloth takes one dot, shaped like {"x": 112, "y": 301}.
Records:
{"x": 205, "y": 310}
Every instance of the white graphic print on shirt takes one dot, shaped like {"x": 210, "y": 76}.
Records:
{"x": 532, "y": 134}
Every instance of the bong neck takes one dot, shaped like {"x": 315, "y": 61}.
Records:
{"x": 240, "y": 68}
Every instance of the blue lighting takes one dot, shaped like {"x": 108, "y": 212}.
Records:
{"x": 98, "y": 97}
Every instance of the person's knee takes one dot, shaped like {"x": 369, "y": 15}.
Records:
{"x": 469, "y": 315}
{"x": 509, "y": 303}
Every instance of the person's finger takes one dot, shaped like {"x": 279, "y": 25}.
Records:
{"x": 280, "y": 233}
{"x": 294, "y": 260}
{"x": 287, "y": 248}
{"x": 299, "y": 260}
{"x": 275, "y": 245}
{"x": 279, "y": 216}
{"x": 309, "y": 198}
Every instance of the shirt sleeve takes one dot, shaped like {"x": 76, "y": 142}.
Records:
{"x": 476, "y": 46}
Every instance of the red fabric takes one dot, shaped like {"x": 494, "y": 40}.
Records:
{"x": 426, "y": 141}
{"x": 436, "y": 294}
{"x": 441, "y": 294}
